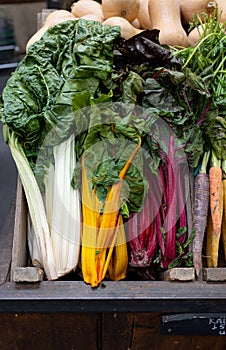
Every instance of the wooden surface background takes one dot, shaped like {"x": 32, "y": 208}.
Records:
{"x": 69, "y": 315}
{"x": 108, "y": 331}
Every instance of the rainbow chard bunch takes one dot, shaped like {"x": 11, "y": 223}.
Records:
{"x": 159, "y": 233}
{"x": 142, "y": 234}
{"x": 174, "y": 223}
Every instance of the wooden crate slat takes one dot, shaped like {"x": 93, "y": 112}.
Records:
{"x": 49, "y": 331}
{"x": 117, "y": 330}
{"x": 19, "y": 250}
{"x": 6, "y": 243}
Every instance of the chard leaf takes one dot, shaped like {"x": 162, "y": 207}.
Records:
{"x": 159, "y": 97}
{"x": 109, "y": 142}
{"x": 132, "y": 87}
{"x": 63, "y": 71}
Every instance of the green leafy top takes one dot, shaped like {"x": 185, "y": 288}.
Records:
{"x": 71, "y": 57}
{"x": 208, "y": 61}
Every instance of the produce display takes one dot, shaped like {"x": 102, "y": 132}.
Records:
{"x": 119, "y": 137}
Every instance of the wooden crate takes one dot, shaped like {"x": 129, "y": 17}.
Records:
{"x": 172, "y": 313}
{"x": 135, "y": 315}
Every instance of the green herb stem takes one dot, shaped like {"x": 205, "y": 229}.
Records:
{"x": 205, "y": 160}
{"x": 214, "y": 160}
{"x": 223, "y": 166}
{"x": 47, "y": 87}
{"x": 219, "y": 67}
{"x": 197, "y": 48}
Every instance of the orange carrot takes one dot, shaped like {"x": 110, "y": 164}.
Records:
{"x": 224, "y": 208}
{"x": 215, "y": 178}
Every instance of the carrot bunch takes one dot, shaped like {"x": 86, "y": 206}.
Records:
{"x": 209, "y": 216}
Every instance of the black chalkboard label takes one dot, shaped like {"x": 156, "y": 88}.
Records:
{"x": 194, "y": 324}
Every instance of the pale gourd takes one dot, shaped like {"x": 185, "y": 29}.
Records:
{"x": 127, "y": 9}
{"x": 221, "y": 10}
{"x": 165, "y": 16}
{"x": 52, "y": 19}
{"x": 189, "y": 8}
{"x": 92, "y": 17}
{"x": 136, "y": 23}
{"x": 87, "y": 7}
{"x": 143, "y": 15}
{"x": 57, "y": 17}
{"x": 126, "y": 29}
{"x": 37, "y": 36}
{"x": 195, "y": 34}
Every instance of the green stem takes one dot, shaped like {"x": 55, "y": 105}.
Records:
{"x": 219, "y": 67}
{"x": 205, "y": 160}
{"x": 197, "y": 47}
{"x": 46, "y": 85}
{"x": 214, "y": 160}
{"x": 223, "y": 166}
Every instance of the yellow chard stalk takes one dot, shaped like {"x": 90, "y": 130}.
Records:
{"x": 103, "y": 232}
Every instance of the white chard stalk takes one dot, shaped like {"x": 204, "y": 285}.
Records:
{"x": 63, "y": 208}
{"x": 33, "y": 244}
{"x": 36, "y": 209}
{"x": 53, "y": 232}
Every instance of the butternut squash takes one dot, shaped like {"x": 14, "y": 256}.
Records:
{"x": 127, "y": 30}
{"x": 52, "y": 19}
{"x": 165, "y": 16}
{"x": 57, "y": 17}
{"x": 87, "y": 7}
{"x": 195, "y": 34}
{"x": 127, "y": 9}
{"x": 189, "y": 8}
{"x": 136, "y": 23}
{"x": 37, "y": 36}
{"x": 143, "y": 15}
{"x": 92, "y": 17}
{"x": 221, "y": 10}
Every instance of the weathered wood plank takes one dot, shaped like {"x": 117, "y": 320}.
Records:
{"x": 19, "y": 250}
{"x": 147, "y": 336}
{"x": 113, "y": 290}
{"x": 119, "y": 296}
{"x": 6, "y": 242}
{"x": 49, "y": 331}
{"x": 82, "y": 332}
{"x": 146, "y": 331}
{"x": 116, "y": 331}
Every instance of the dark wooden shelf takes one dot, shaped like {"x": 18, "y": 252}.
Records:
{"x": 116, "y": 315}
{"x": 111, "y": 296}
{"x": 123, "y": 296}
